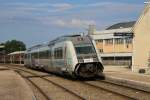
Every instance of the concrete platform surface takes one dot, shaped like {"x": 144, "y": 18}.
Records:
{"x": 126, "y": 77}
{"x": 13, "y": 87}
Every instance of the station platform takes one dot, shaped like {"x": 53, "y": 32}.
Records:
{"x": 124, "y": 76}
{"x": 13, "y": 87}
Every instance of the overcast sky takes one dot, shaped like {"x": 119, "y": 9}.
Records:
{"x": 37, "y": 21}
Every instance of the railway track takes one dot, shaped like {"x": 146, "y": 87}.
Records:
{"x": 35, "y": 85}
{"x": 123, "y": 92}
{"x": 34, "y": 75}
{"x": 109, "y": 90}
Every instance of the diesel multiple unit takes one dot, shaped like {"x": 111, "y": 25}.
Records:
{"x": 73, "y": 55}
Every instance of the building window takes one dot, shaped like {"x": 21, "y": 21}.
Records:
{"x": 100, "y": 50}
{"x": 99, "y": 41}
{"x": 128, "y": 40}
{"x": 108, "y": 41}
{"x": 119, "y": 41}
{"x": 58, "y": 53}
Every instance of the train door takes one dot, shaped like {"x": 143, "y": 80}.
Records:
{"x": 29, "y": 59}
{"x": 50, "y": 60}
{"x": 32, "y": 60}
{"x": 58, "y": 60}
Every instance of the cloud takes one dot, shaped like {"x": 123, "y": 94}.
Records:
{"x": 110, "y": 6}
{"x": 64, "y": 22}
{"x": 76, "y": 15}
{"x": 62, "y": 6}
{"x": 17, "y": 11}
{"x": 49, "y": 8}
{"x": 39, "y": 6}
{"x": 73, "y": 23}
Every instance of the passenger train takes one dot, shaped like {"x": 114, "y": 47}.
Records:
{"x": 73, "y": 55}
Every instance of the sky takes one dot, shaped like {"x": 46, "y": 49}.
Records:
{"x": 38, "y": 21}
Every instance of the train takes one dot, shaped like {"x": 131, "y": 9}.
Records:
{"x": 73, "y": 55}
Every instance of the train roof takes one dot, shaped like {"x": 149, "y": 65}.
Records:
{"x": 37, "y": 46}
{"x": 59, "y": 39}
{"x": 63, "y": 38}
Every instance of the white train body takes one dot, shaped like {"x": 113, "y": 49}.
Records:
{"x": 72, "y": 55}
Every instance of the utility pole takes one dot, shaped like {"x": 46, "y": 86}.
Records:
{"x": 4, "y": 56}
{"x": 20, "y": 55}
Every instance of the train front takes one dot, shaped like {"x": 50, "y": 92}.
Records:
{"x": 89, "y": 64}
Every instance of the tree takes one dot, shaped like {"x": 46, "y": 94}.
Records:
{"x": 2, "y": 43}
{"x": 14, "y": 45}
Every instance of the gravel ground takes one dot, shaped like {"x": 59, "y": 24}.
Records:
{"x": 86, "y": 91}
{"x": 130, "y": 75}
{"x": 123, "y": 90}
{"x": 36, "y": 92}
{"x": 83, "y": 90}
{"x": 13, "y": 87}
{"x": 78, "y": 87}
{"x": 53, "y": 91}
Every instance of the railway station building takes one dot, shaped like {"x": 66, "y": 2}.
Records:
{"x": 141, "y": 48}
{"x": 126, "y": 44}
{"x": 16, "y": 57}
{"x": 2, "y": 53}
{"x": 115, "y": 44}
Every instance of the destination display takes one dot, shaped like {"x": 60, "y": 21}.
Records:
{"x": 124, "y": 34}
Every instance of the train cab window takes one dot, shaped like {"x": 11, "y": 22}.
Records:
{"x": 58, "y": 53}
{"x": 85, "y": 49}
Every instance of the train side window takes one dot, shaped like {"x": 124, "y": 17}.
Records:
{"x": 28, "y": 56}
{"x": 25, "y": 56}
{"x": 47, "y": 54}
{"x": 44, "y": 54}
{"x": 34, "y": 55}
{"x": 58, "y": 53}
{"x": 50, "y": 54}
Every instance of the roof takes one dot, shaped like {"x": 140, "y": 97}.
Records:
{"x": 122, "y": 25}
{"x": 109, "y": 34}
{"x": 122, "y": 30}
{"x": 17, "y": 52}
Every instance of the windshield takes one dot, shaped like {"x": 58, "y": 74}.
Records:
{"x": 85, "y": 50}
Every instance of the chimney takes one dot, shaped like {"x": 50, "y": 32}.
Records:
{"x": 91, "y": 30}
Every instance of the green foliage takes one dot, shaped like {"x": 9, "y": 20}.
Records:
{"x": 14, "y": 45}
{"x": 2, "y": 43}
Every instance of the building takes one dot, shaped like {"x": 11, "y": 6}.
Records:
{"x": 141, "y": 51}
{"x": 115, "y": 44}
{"x": 2, "y": 53}
{"x": 16, "y": 57}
